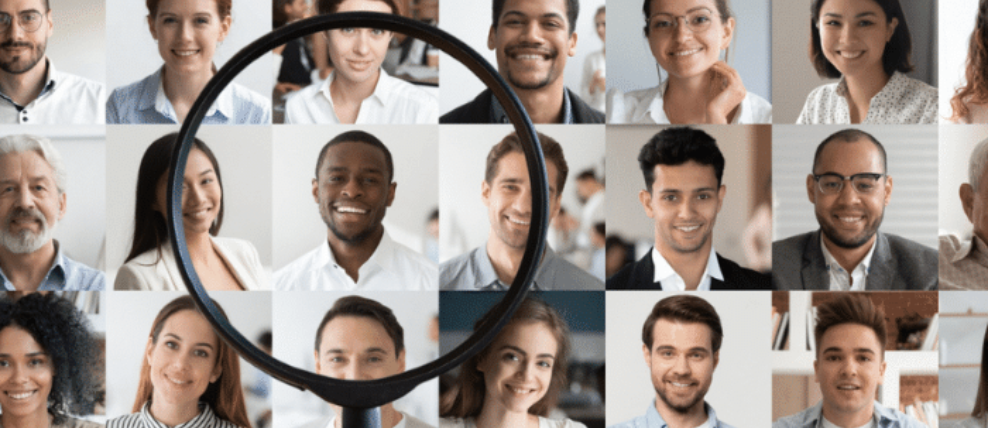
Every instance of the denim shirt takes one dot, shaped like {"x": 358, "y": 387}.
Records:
{"x": 884, "y": 418}
{"x": 65, "y": 275}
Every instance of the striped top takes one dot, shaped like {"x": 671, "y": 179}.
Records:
{"x": 143, "y": 419}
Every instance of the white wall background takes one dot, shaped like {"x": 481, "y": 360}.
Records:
{"x": 470, "y": 21}
{"x": 78, "y": 41}
{"x": 745, "y": 357}
{"x": 961, "y": 339}
{"x": 957, "y": 18}
{"x": 463, "y": 154}
{"x": 294, "y": 339}
{"x": 955, "y": 155}
{"x": 631, "y": 64}
{"x": 298, "y": 228}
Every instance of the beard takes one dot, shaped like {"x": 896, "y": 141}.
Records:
{"x": 849, "y": 242}
{"x": 685, "y": 405}
{"x": 545, "y": 81}
{"x": 352, "y": 238}
{"x": 26, "y": 241}
{"x": 19, "y": 64}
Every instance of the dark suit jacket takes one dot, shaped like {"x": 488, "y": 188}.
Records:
{"x": 479, "y": 110}
{"x": 640, "y": 275}
{"x": 896, "y": 264}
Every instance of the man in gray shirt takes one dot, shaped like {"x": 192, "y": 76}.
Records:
{"x": 506, "y": 191}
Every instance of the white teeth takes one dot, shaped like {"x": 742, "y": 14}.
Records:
{"x": 849, "y": 55}
{"x": 680, "y": 385}
{"x": 688, "y": 228}
{"x": 351, "y": 210}
{"x": 689, "y": 52}
{"x": 529, "y": 57}
{"x": 185, "y": 53}
{"x": 198, "y": 214}
{"x": 518, "y": 222}
{"x": 849, "y": 219}
{"x": 177, "y": 382}
{"x": 520, "y": 390}
{"x": 20, "y": 396}
{"x": 847, "y": 387}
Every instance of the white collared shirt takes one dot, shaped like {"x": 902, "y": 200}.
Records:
{"x": 394, "y": 101}
{"x": 839, "y": 277}
{"x": 671, "y": 281}
{"x": 65, "y": 99}
{"x": 903, "y": 100}
{"x": 392, "y": 267}
{"x": 645, "y": 106}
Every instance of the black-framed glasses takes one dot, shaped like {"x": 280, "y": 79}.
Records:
{"x": 865, "y": 183}
{"x": 697, "y": 21}
{"x": 29, "y": 21}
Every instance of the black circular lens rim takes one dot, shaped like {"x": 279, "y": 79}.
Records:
{"x": 373, "y": 393}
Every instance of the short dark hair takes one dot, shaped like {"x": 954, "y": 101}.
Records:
{"x": 853, "y": 308}
{"x": 676, "y": 146}
{"x": 326, "y": 7}
{"x": 850, "y": 135}
{"x": 684, "y": 308}
{"x": 357, "y": 137}
{"x": 897, "y": 50}
{"x": 722, "y": 10}
{"x": 356, "y": 306}
{"x": 551, "y": 150}
{"x": 572, "y": 12}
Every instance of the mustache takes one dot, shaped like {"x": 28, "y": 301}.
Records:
{"x": 16, "y": 44}
{"x": 551, "y": 52}
{"x": 30, "y": 213}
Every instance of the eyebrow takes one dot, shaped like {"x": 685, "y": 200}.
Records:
{"x": 854, "y": 351}
{"x": 207, "y": 345}
{"x": 691, "y": 10}
{"x": 206, "y": 172}
{"x": 670, "y": 347}
{"x": 29, "y": 354}
{"x": 860, "y": 15}
{"x": 330, "y": 168}
{"x": 701, "y": 189}
{"x": 520, "y": 351}
{"x": 544, "y": 15}
{"x": 372, "y": 350}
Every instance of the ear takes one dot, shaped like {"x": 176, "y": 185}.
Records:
{"x": 225, "y": 24}
{"x": 217, "y": 371}
{"x": 967, "y": 200}
{"x": 645, "y": 197}
{"x": 646, "y": 355}
{"x": 881, "y": 371}
{"x": 51, "y": 23}
{"x": 62, "y": 205}
{"x": 485, "y": 193}
{"x": 401, "y": 361}
{"x": 811, "y": 188}
{"x": 391, "y": 194}
{"x": 888, "y": 190}
{"x": 716, "y": 359}
{"x": 315, "y": 190}
{"x": 891, "y": 29}
{"x": 147, "y": 351}
{"x": 491, "y": 35}
{"x": 315, "y": 356}
{"x": 572, "y": 44}
{"x": 555, "y": 205}
{"x": 728, "y": 34}
{"x": 151, "y": 27}
{"x": 720, "y": 199}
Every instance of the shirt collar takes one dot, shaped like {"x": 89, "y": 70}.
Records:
{"x": 865, "y": 262}
{"x": 499, "y": 115}
{"x": 382, "y": 94}
{"x": 205, "y": 418}
{"x": 813, "y": 417}
{"x": 52, "y": 77}
{"x": 894, "y": 82}
{"x": 54, "y": 279}
{"x": 665, "y": 272}
{"x": 973, "y": 247}
{"x": 382, "y": 256}
{"x": 157, "y": 100}
{"x": 486, "y": 275}
{"x": 654, "y": 419}
{"x": 654, "y": 109}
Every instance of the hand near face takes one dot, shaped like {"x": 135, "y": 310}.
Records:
{"x": 724, "y": 93}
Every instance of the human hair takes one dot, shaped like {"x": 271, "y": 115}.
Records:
{"x": 278, "y": 15}
{"x": 897, "y": 50}
{"x": 849, "y": 308}
{"x": 465, "y": 398}
{"x": 677, "y": 146}
{"x": 976, "y": 166}
{"x": 20, "y": 143}
{"x": 63, "y": 334}
{"x": 357, "y": 137}
{"x": 572, "y": 12}
{"x": 551, "y": 150}
{"x": 587, "y": 174}
{"x": 850, "y": 136}
{"x": 981, "y": 399}
{"x": 150, "y": 226}
{"x": 600, "y": 10}
{"x": 224, "y": 396}
{"x": 975, "y": 88}
{"x": 356, "y": 306}
{"x": 224, "y": 8}
{"x": 684, "y": 308}
{"x": 722, "y": 9}
{"x": 326, "y": 7}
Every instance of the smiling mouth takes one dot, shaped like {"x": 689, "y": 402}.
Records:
{"x": 848, "y": 387}
{"x": 351, "y": 210}
{"x": 178, "y": 382}
{"x": 686, "y": 53}
{"x": 850, "y": 55}
{"x": 185, "y": 53}
{"x": 198, "y": 214}
{"x": 518, "y": 222}
{"x": 20, "y": 395}
{"x": 688, "y": 229}
{"x": 849, "y": 219}
{"x": 521, "y": 391}
{"x": 680, "y": 385}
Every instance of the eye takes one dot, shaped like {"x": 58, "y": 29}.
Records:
{"x": 545, "y": 364}
{"x": 35, "y": 362}
{"x": 663, "y": 22}
{"x": 865, "y": 23}
{"x": 510, "y": 356}
{"x": 700, "y": 19}
{"x": 171, "y": 344}
{"x": 202, "y": 20}
{"x": 30, "y": 17}
{"x": 347, "y": 30}
{"x": 4, "y": 363}
{"x": 370, "y": 180}
{"x": 337, "y": 359}
{"x": 832, "y": 358}
{"x": 703, "y": 196}
{"x": 670, "y": 198}
{"x": 202, "y": 353}
{"x": 168, "y": 20}
{"x": 552, "y": 24}
{"x": 374, "y": 359}
{"x": 832, "y": 23}
{"x": 512, "y": 22}
{"x": 666, "y": 353}
{"x": 378, "y": 32}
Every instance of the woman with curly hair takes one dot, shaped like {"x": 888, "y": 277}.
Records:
{"x": 970, "y": 101}
{"x": 47, "y": 361}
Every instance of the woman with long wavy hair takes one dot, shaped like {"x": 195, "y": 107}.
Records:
{"x": 970, "y": 100}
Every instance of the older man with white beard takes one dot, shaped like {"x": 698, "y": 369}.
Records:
{"x": 32, "y": 201}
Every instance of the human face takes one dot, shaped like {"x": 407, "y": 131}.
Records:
{"x": 682, "y": 363}
{"x": 183, "y": 361}
{"x": 849, "y": 219}
{"x": 684, "y": 203}
{"x": 357, "y": 348}
{"x": 187, "y": 32}
{"x": 518, "y": 366}
{"x": 353, "y": 191}
{"x": 357, "y": 53}
{"x": 975, "y": 205}
{"x": 849, "y": 368}
{"x": 532, "y": 41}
{"x": 508, "y": 199}
{"x": 600, "y": 23}
{"x": 853, "y": 34}
{"x": 202, "y": 195}
{"x": 677, "y": 48}
{"x": 26, "y": 374}
{"x": 20, "y": 50}
{"x": 30, "y": 203}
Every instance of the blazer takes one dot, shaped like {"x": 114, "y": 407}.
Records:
{"x": 641, "y": 274}
{"x": 147, "y": 272}
{"x": 479, "y": 110}
{"x": 896, "y": 264}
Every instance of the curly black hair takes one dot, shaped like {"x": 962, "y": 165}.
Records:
{"x": 63, "y": 332}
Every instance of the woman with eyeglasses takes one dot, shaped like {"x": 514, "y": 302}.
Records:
{"x": 866, "y": 44}
{"x": 970, "y": 100}
{"x": 686, "y": 38}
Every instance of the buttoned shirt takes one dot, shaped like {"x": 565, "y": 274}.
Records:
{"x": 963, "y": 263}
{"x": 839, "y": 278}
{"x": 65, "y": 274}
{"x": 903, "y": 100}
{"x": 671, "y": 281}
{"x": 499, "y": 115}
{"x": 145, "y": 101}
{"x": 392, "y": 266}
{"x": 652, "y": 419}
{"x": 64, "y": 99}
{"x": 394, "y": 101}
{"x": 474, "y": 271}
{"x": 143, "y": 419}
{"x": 883, "y": 417}
{"x": 647, "y": 106}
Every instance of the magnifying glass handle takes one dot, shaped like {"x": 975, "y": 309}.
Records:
{"x": 361, "y": 418}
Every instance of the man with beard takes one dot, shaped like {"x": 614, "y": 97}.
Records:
{"x": 683, "y": 194}
{"x": 531, "y": 39}
{"x": 354, "y": 186}
{"x": 962, "y": 258}
{"x": 681, "y": 346}
{"x": 32, "y": 201}
{"x": 32, "y": 91}
{"x": 849, "y": 188}
{"x": 507, "y": 193}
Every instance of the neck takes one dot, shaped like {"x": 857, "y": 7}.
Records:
{"x": 689, "y": 266}
{"x": 686, "y": 98}
{"x": 862, "y": 88}
{"x": 848, "y": 420}
{"x": 200, "y": 247}
{"x": 496, "y": 416}
{"x": 184, "y": 88}
{"x": 693, "y": 417}
{"x": 505, "y": 259}
{"x": 347, "y": 91}
{"x": 389, "y": 416}
{"x": 38, "y": 419}
{"x": 352, "y": 255}
{"x": 24, "y": 87}
{"x": 26, "y": 271}
{"x": 173, "y": 414}
{"x": 848, "y": 258}
{"x": 543, "y": 105}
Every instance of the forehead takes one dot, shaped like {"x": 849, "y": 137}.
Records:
{"x": 850, "y": 8}
{"x": 680, "y": 6}
{"x": 199, "y": 6}
{"x": 533, "y": 337}
{"x": 198, "y": 162}
{"x": 190, "y": 327}
{"x": 847, "y": 158}
{"x": 356, "y": 156}
{"x": 688, "y": 176}
{"x": 28, "y": 162}
{"x": 513, "y": 166}
{"x": 681, "y": 335}
{"x": 16, "y": 338}
{"x": 355, "y": 334}
{"x": 22, "y": 5}
{"x": 535, "y": 8}
{"x": 366, "y": 5}
{"x": 849, "y": 337}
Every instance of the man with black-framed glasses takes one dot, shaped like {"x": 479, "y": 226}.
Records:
{"x": 850, "y": 188}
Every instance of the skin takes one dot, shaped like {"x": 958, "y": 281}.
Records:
{"x": 26, "y": 375}
{"x": 682, "y": 363}
{"x": 849, "y": 220}
{"x": 684, "y": 203}
{"x": 357, "y": 54}
{"x": 975, "y": 203}
{"x": 849, "y": 368}
{"x": 22, "y": 53}
{"x": 517, "y": 373}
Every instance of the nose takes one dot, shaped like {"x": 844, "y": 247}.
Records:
{"x": 25, "y": 199}
{"x": 847, "y": 33}
{"x": 353, "y": 371}
{"x": 847, "y": 193}
{"x": 683, "y": 32}
{"x": 524, "y": 370}
{"x": 20, "y": 374}
{"x": 353, "y": 188}
{"x": 361, "y": 45}
{"x": 687, "y": 208}
{"x": 681, "y": 367}
{"x": 522, "y": 202}
{"x": 185, "y": 31}
{"x": 533, "y": 33}
{"x": 848, "y": 368}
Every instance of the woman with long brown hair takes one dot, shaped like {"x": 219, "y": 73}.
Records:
{"x": 970, "y": 100}
{"x": 979, "y": 416}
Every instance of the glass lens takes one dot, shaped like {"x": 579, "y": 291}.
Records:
{"x": 699, "y": 21}
{"x": 865, "y": 184}
{"x": 30, "y": 21}
{"x": 831, "y": 184}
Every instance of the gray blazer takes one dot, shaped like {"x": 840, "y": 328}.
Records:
{"x": 897, "y": 264}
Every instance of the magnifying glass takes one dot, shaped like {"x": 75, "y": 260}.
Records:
{"x": 360, "y": 399}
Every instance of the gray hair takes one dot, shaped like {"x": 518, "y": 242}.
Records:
{"x": 976, "y": 167}
{"x": 26, "y": 142}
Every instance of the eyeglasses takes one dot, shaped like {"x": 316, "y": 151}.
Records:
{"x": 29, "y": 21}
{"x": 864, "y": 183}
{"x": 697, "y": 21}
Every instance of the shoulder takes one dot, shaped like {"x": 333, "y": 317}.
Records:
{"x": 904, "y": 248}
{"x": 582, "y": 112}
{"x": 420, "y": 272}
{"x": 791, "y": 421}
{"x": 949, "y": 246}
{"x": 132, "y": 420}
{"x": 622, "y": 106}
{"x": 78, "y": 423}
{"x": 760, "y": 108}
{"x": 413, "y": 422}
{"x": 299, "y": 105}
{"x": 638, "y": 422}
{"x": 792, "y": 243}
{"x": 972, "y": 422}
{"x": 455, "y": 423}
{"x": 236, "y": 246}
{"x": 916, "y": 263}
{"x": 454, "y": 273}
{"x": 133, "y": 90}
{"x": 632, "y": 274}
{"x": 84, "y": 278}
{"x": 474, "y": 111}
{"x": 559, "y": 423}
{"x": 139, "y": 272}
{"x": 567, "y": 276}
{"x": 286, "y": 277}
{"x": 739, "y": 277}
{"x": 250, "y": 106}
